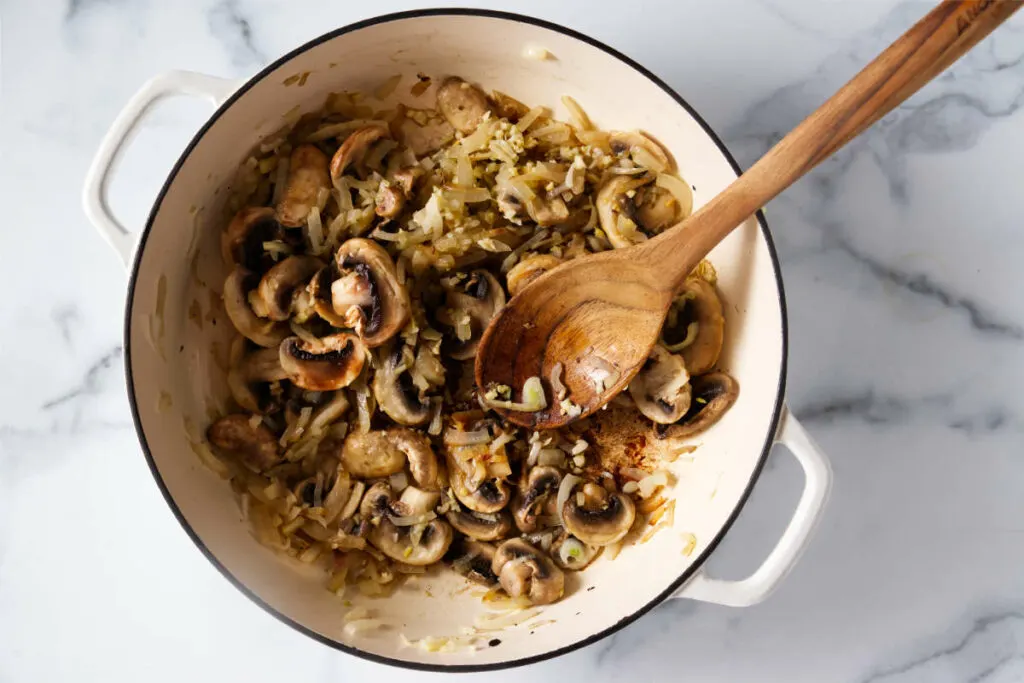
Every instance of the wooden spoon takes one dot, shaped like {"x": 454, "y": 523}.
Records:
{"x": 604, "y": 312}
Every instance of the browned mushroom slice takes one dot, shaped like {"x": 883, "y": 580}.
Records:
{"x": 319, "y": 290}
{"x": 524, "y": 570}
{"x": 695, "y": 326}
{"x": 617, "y": 212}
{"x": 656, "y": 209}
{"x": 470, "y": 307}
{"x": 332, "y": 363}
{"x": 473, "y": 559}
{"x": 307, "y": 177}
{"x": 506, "y": 107}
{"x": 540, "y": 485}
{"x": 602, "y": 519}
{"x": 241, "y": 243}
{"x": 661, "y": 389}
{"x": 405, "y": 179}
{"x": 250, "y": 380}
{"x": 462, "y": 104}
{"x": 355, "y": 147}
{"x": 367, "y": 294}
{"x": 280, "y": 286}
{"x": 237, "y": 287}
{"x": 713, "y": 395}
{"x": 247, "y": 439}
{"x": 394, "y": 390}
{"x": 528, "y": 270}
{"x": 489, "y": 497}
{"x": 481, "y": 526}
{"x": 391, "y": 529}
{"x": 389, "y": 201}
{"x": 377, "y": 454}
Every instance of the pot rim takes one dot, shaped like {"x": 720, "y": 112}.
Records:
{"x": 381, "y": 659}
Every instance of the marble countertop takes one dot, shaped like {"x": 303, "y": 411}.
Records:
{"x": 901, "y": 260}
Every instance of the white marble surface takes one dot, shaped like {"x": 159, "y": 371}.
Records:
{"x": 902, "y": 264}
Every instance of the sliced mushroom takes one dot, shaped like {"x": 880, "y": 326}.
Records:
{"x": 548, "y": 212}
{"x": 416, "y": 501}
{"x": 253, "y": 444}
{"x": 713, "y": 394}
{"x": 308, "y": 176}
{"x": 661, "y": 390}
{"x": 539, "y": 486}
{"x": 491, "y": 496}
{"x": 571, "y": 553}
{"x": 462, "y": 104}
{"x": 249, "y": 380}
{"x": 377, "y": 454}
{"x": 280, "y": 287}
{"x": 696, "y": 326}
{"x": 397, "y": 542}
{"x": 332, "y": 363}
{"x": 481, "y": 527}
{"x": 393, "y": 388}
{"x": 241, "y": 243}
{"x": 625, "y": 143}
{"x": 320, "y": 295}
{"x": 616, "y": 210}
{"x": 389, "y": 201}
{"x": 237, "y": 287}
{"x": 405, "y": 179}
{"x": 473, "y": 559}
{"x": 525, "y": 570}
{"x": 528, "y": 270}
{"x": 355, "y": 147}
{"x": 507, "y": 107}
{"x": 367, "y": 295}
{"x": 656, "y": 209}
{"x": 603, "y": 518}
{"x": 480, "y": 299}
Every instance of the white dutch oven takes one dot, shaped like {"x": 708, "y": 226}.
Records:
{"x": 171, "y": 327}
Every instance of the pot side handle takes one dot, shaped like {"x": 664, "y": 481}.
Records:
{"x": 97, "y": 178}
{"x": 757, "y": 586}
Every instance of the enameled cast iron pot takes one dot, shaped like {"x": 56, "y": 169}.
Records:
{"x": 171, "y": 374}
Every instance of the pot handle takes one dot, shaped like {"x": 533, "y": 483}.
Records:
{"x": 94, "y": 194}
{"x": 757, "y": 586}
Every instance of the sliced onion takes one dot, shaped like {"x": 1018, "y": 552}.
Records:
{"x": 353, "y": 501}
{"x": 353, "y": 628}
{"x": 399, "y": 481}
{"x": 502, "y": 439}
{"x": 652, "y": 482}
{"x": 533, "y": 398}
{"x": 455, "y": 437}
{"x": 569, "y": 482}
{"x": 691, "y": 336}
{"x": 679, "y": 189}
{"x": 556, "y": 382}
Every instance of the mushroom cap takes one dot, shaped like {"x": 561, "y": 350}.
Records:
{"x": 371, "y": 455}
{"x": 307, "y": 177}
{"x": 661, "y": 389}
{"x": 603, "y": 519}
{"x": 697, "y": 303}
{"x": 394, "y": 390}
{"x": 423, "y": 463}
{"x": 490, "y": 497}
{"x": 482, "y": 296}
{"x": 396, "y": 542}
{"x": 528, "y": 270}
{"x": 656, "y": 209}
{"x": 355, "y": 146}
{"x": 713, "y": 395}
{"x": 236, "y": 303}
{"x": 256, "y": 447}
{"x": 241, "y": 243}
{"x": 252, "y": 372}
{"x": 524, "y": 570}
{"x": 334, "y": 362}
{"x": 616, "y": 211}
{"x": 473, "y": 560}
{"x": 280, "y": 285}
{"x": 541, "y": 483}
{"x": 369, "y": 297}
{"x": 481, "y": 528}
{"x": 462, "y": 104}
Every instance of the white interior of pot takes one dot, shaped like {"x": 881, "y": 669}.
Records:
{"x": 176, "y": 380}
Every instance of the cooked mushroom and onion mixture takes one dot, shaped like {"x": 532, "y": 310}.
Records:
{"x": 369, "y": 252}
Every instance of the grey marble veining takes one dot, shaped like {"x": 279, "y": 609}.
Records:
{"x": 901, "y": 260}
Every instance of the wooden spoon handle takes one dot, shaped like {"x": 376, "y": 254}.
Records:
{"x": 929, "y": 47}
